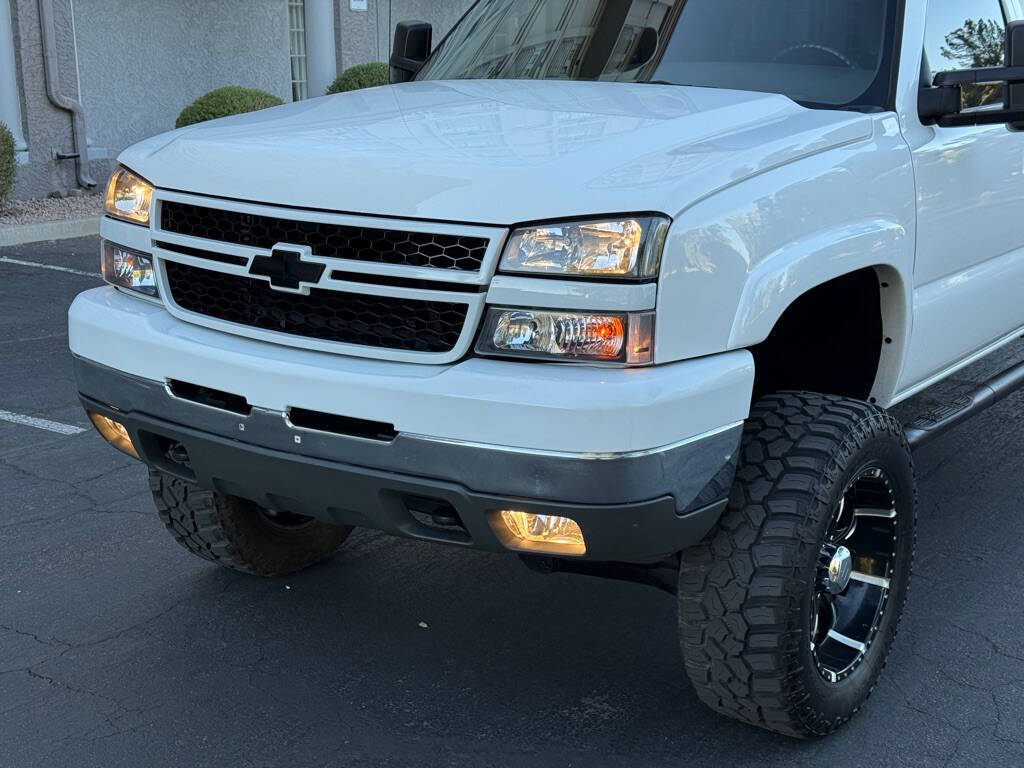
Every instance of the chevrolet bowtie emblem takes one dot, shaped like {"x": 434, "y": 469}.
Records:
{"x": 287, "y": 269}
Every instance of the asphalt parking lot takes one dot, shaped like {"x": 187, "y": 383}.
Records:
{"x": 117, "y": 648}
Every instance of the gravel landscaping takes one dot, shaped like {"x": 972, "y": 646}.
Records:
{"x": 18, "y": 212}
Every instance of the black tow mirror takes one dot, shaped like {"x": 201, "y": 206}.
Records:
{"x": 413, "y": 40}
{"x": 942, "y": 103}
{"x": 1015, "y": 58}
{"x": 646, "y": 48}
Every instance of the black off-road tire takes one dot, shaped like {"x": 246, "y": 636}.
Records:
{"x": 236, "y": 533}
{"x": 745, "y": 592}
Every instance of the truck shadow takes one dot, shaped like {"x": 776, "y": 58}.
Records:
{"x": 404, "y": 653}
{"x": 404, "y": 650}
{"x": 417, "y": 649}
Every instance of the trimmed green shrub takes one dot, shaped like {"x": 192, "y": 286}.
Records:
{"x": 361, "y": 76}
{"x": 230, "y": 100}
{"x": 6, "y": 163}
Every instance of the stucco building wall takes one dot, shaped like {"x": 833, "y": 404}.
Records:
{"x": 142, "y": 62}
{"x": 46, "y": 128}
{"x": 134, "y": 65}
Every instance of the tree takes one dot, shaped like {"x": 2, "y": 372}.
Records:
{"x": 977, "y": 44}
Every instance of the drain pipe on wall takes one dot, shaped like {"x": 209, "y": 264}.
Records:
{"x": 59, "y": 100}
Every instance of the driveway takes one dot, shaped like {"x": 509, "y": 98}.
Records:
{"x": 117, "y": 648}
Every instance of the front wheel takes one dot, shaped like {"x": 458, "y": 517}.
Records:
{"x": 238, "y": 534}
{"x": 789, "y": 607}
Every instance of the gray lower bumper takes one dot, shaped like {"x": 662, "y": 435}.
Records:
{"x": 637, "y": 507}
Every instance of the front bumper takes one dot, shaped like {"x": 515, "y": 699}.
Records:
{"x": 637, "y": 505}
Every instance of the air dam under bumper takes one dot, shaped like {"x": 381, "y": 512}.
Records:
{"x": 634, "y": 507}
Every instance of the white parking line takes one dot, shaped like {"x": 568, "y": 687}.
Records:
{"x": 69, "y": 270}
{"x": 32, "y": 421}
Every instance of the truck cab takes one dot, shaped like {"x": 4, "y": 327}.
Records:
{"x": 623, "y": 288}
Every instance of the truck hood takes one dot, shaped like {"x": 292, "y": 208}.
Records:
{"x": 495, "y": 152}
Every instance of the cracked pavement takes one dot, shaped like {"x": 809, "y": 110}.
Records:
{"x": 117, "y": 648}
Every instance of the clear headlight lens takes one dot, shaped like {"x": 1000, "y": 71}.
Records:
{"x": 552, "y": 335}
{"x": 129, "y": 197}
{"x": 128, "y": 269}
{"x": 618, "y": 248}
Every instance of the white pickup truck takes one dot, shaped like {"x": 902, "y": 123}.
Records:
{"x": 623, "y": 287}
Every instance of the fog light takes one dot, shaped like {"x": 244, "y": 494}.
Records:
{"x": 527, "y": 532}
{"x": 114, "y": 433}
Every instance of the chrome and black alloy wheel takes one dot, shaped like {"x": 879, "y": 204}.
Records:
{"x": 855, "y": 570}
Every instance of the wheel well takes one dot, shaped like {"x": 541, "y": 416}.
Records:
{"x": 829, "y": 341}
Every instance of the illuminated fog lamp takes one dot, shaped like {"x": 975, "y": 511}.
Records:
{"x": 114, "y": 433}
{"x": 547, "y": 534}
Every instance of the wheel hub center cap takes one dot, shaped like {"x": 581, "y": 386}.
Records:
{"x": 840, "y": 568}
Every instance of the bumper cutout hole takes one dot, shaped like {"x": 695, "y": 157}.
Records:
{"x": 211, "y": 398}
{"x": 341, "y": 425}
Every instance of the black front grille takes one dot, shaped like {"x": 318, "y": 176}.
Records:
{"x": 384, "y": 246}
{"x": 350, "y": 318}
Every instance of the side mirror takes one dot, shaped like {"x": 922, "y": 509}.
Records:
{"x": 413, "y": 41}
{"x": 1015, "y": 58}
{"x": 646, "y": 48}
{"x": 942, "y": 103}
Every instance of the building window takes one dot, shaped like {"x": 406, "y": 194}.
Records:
{"x": 297, "y": 45}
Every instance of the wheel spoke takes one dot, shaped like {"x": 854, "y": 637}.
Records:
{"x": 822, "y": 624}
{"x": 887, "y": 514}
{"x": 867, "y": 578}
{"x": 842, "y": 508}
{"x": 842, "y": 637}
{"x": 844, "y": 523}
{"x": 852, "y": 530}
{"x": 849, "y": 642}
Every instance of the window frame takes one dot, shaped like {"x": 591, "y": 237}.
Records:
{"x": 298, "y": 51}
{"x": 894, "y": 65}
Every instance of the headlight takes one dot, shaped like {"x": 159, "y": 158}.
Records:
{"x": 128, "y": 269}
{"x": 627, "y": 339}
{"x": 129, "y": 197}
{"x": 622, "y": 248}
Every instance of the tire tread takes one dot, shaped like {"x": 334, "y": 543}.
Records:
{"x": 223, "y": 530}
{"x": 741, "y": 588}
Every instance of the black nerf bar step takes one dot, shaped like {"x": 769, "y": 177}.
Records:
{"x": 929, "y": 426}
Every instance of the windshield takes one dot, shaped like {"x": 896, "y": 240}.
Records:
{"x": 829, "y": 53}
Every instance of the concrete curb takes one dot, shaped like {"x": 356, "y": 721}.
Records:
{"x": 49, "y": 230}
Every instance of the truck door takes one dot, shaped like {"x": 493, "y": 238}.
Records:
{"x": 969, "y": 274}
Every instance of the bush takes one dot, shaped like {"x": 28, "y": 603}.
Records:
{"x": 230, "y": 100}
{"x": 6, "y": 163}
{"x": 361, "y": 76}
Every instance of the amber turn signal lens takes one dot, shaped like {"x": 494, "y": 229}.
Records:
{"x": 128, "y": 269}
{"x": 568, "y": 336}
{"x": 547, "y": 534}
{"x": 114, "y": 433}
